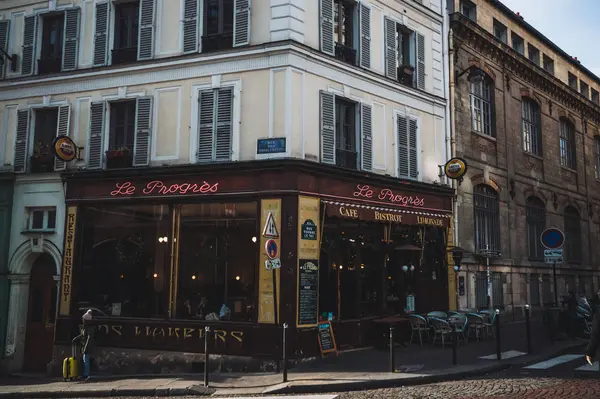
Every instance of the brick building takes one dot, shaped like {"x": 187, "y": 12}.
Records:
{"x": 526, "y": 119}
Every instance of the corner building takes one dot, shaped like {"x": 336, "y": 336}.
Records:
{"x": 218, "y": 139}
{"x": 525, "y": 117}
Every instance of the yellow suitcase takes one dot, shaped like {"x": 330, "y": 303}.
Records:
{"x": 70, "y": 367}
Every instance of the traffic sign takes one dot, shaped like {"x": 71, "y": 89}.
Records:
{"x": 552, "y": 238}
{"x": 489, "y": 253}
{"x": 553, "y": 255}
{"x": 271, "y": 249}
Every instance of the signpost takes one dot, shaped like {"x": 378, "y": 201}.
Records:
{"x": 553, "y": 239}
{"x": 488, "y": 253}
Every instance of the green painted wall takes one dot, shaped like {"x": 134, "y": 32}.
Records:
{"x": 6, "y": 201}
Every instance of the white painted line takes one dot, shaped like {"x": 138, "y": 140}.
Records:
{"x": 291, "y": 397}
{"x": 588, "y": 367}
{"x": 554, "y": 362}
{"x": 504, "y": 355}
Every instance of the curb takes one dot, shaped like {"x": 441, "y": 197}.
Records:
{"x": 196, "y": 390}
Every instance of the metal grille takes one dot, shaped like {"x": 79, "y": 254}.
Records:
{"x": 481, "y": 107}
{"x": 487, "y": 218}
{"x": 536, "y": 223}
{"x": 572, "y": 235}
{"x": 532, "y": 142}
{"x": 567, "y": 144}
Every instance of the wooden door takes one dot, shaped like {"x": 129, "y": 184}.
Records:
{"x": 41, "y": 314}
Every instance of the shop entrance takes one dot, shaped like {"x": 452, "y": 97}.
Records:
{"x": 41, "y": 314}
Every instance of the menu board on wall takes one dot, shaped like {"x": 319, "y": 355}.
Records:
{"x": 308, "y": 292}
{"x": 309, "y": 239}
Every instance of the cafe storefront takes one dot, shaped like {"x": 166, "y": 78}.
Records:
{"x": 243, "y": 248}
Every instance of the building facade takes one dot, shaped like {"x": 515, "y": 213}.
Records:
{"x": 240, "y": 164}
{"x": 525, "y": 118}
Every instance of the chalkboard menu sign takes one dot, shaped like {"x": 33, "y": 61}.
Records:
{"x": 326, "y": 338}
{"x": 308, "y": 292}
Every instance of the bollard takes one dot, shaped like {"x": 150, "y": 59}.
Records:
{"x": 206, "y": 355}
{"x": 392, "y": 366}
{"x": 498, "y": 353}
{"x": 528, "y": 329}
{"x": 454, "y": 345}
{"x": 285, "y": 362}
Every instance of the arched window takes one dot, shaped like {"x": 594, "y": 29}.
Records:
{"x": 597, "y": 156}
{"x": 481, "y": 98}
{"x": 567, "y": 144}
{"x": 535, "y": 215}
{"x": 530, "y": 115}
{"x": 572, "y": 235}
{"x": 486, "y": 207}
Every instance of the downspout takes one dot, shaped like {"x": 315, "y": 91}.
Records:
{"x": 587, "y": 190}
{"x": 510, "y": 173}
{"x": 450, "y": 123}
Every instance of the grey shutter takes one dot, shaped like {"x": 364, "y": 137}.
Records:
{"x": 190, "y": 26}
{"x": 206, "y": 105}
{"x": 403, "y": 164}
{"x": 391, "y": 49}
{"x": 365, "y": 36}
{"x": 101, "y": 34}
{"x": 143, "y": 131}
{"x": 22, "y": 136}
{"x": 241, "y": 23}
{"x": 4, "y": 32}
{"x": 366, "y": 127}
{"x": 96, "y": 142}
{"x": 29, "y": 36}
{"x": 71, "y": 39}
{"x": 224, "y": 124}
{"x": 327, "y": 127}
{"x": 412, "y": 149}
{"x": 146, "y": 30}
{"x": 326, "y": 14}
{"x": 420, "y": 61}
{"x": 62, "y": 129}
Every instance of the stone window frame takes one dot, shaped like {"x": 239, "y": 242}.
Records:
{"x": 531, "y": 126}
{"x": 535, "y": 220}
{"x": 481, "y": 102}
{"x": 567, "y": 144}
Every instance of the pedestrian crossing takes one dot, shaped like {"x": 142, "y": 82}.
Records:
{"x": 572, "y": 361}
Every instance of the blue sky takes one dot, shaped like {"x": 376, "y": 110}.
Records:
{"x": 570, "y": 24}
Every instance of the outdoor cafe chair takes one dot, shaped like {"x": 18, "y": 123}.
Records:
{"x": 418, "y": 325}
{"x": 475, "y": 323}
{"x": 460, "y": 323}
{"x": 440, "y": 327}
{"x": 490, "y": 323}
{"x": 437, "y": 314}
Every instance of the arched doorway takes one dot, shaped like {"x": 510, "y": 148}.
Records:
{"x": 41, "y": 314}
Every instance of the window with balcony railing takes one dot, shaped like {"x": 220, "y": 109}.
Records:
{"x": 343, "y": 29}
{"x": 42, "y": 158}
{"x": 345, "y": 134}
{"x": 218, "y": 25}
{"x": 121, "y": 135}
{"x": 52, "y": 44}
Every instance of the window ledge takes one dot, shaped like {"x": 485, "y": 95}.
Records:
{"x": 533, "y": 155}
{"x": 44, "y": 231}
{"x": 568, "y": 169}
{"x": 485, "y": 136}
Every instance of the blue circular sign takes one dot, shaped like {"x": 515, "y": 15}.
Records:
{"x": 552, "y": 238}
{"x": 271, "y": 249}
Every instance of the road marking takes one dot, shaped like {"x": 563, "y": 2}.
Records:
{"x": 292, "y": 397}
{"x": 555, "y": 361}
{"x": 588, "y": 367}
{"x": 504, "y": 355}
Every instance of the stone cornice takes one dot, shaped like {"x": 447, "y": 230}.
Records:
{"x": 469, "y": 33}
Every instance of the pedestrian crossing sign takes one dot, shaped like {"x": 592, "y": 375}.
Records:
{"x": 270, "y": 230}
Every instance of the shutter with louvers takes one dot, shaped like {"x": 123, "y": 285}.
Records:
{"x": 146, "y": 31}
{"x": 101, "y": 34}
{"x": 412, "y": 149}
{"x": 143, "y": 131}
{"x": 206, "y": 111}
{"x": 327, "y": 41}
{"x": 62, "y": 129}
{"x": 366, "y": 126}
{"x": 4, "y": 32}
{"x": 327, "y": 127}
{"x": 29, "y": 37}
{"x": 365, "y": 36}
{"x": 241, "y": 23}
{"x": 420, "y": 61}
{"x": 403, "y": 149}
{"x": 391, "y": 49}
{"x": 71, "y": 39}
{"x": 96, "y": 138}
{"x": 224, "y": 124}
{"x": 21, "y": 141}
{"x": 190, "y": 26}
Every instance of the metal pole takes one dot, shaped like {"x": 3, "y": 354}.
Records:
{"x": 528, "y": 327}
{"x": 285, "y": 362}
{"x": 454, "y": 346}
{"x": 206, "y": 355}
{"x": 392, "y": 366}
{"x": 275, "y": 315}
{"x": 555, "y": 286}
{"x": 498, "y": 346}
{"x": 489, "y": 279}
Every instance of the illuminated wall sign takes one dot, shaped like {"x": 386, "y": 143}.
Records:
{"x": 365, "y": 191}
{"x": 158, "y": 187}
{"x": 68, "y": 256}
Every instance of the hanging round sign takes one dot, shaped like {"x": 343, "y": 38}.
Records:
{"x": 455, "y": 168}
{"x": 271, "y": 249}
{"x": 64, "y": 148}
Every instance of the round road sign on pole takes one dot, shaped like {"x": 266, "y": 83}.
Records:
{"x": 552, "y": 238}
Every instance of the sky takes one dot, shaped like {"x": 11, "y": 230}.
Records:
{"x": 571, "y": 24}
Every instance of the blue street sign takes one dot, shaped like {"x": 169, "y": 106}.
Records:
{"x": 552, "y": 238}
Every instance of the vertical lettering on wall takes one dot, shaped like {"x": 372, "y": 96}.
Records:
{"x": 451, "y": 274}
{"x": 68, "y": 257}
{"x": 307, "y": 286}
{"x": 265, "y": 277}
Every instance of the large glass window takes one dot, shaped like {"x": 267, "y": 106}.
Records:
{"x": 487, "y": 218}
{"x": 480, "y": 96}
{"x": 532, "y": 138}
{"x": 536, "y": 223}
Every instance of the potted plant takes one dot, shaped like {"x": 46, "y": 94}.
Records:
{"x": 119, "y": 158}
{"x": 41, "y": 159}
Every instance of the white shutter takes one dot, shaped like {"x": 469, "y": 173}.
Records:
{"x": 71, "y": 39}
{"x": 96, "y": 135}
{"x": 366, "y": 127}
{"x": 62, "y": 129}
{"x": 365, "y": 36}
{"x": 143, "y": 131}
{"x": 327, "y": 39}
{"x": 412, "y": 149}
{"x": 327, "y": 127}
{"x": 241, "y": 22}
{"x": 190, "y": 26}
{"x": 206, "y": 108}
{"x": 29, "y": 38}
{"x": 224, "y": 124}
{"x": 22, "y": 139}
{"x": 146, "y": 30}
{"x": 4, "y": 32}
{"x": 101, "y": 34}
{"x": 391, "y": 49}
{"x": 420, "y": 61}
{"x": 407, "y": 148}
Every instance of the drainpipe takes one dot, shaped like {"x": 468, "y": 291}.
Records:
{"x": 510, "y": 172}
{"x": 450, "y": 120}
{"x": 587, "y": 191}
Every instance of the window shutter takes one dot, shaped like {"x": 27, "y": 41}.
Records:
{"x": 70, "y": 42}
{"x": 96, "y": 142}
{"x": 206, "y": 105}
{"x": 22, "y": 137}
{"x": 224, "y": 124}
{"x": 4, "y": 32}
{"x": 146, "y": 32}
{"x": 29, "y": 36}
{"x": 327, "y": 42}
{"x": 403, "y": 148}
{"x": 62, "y": 129}
{"x": 241, "y": 23}
{"x": 143, "y": 131}
{"x": 391, "y": 50}
{"x": 366, "y": 124}
{"x": 101, "y": 34}
{"x": 412, "y": 149}
{"x": 420, "y": 61}
{"x": 190, "y": 26}
{"x": 327, "y": 127}
{"x": 365, "y": 36}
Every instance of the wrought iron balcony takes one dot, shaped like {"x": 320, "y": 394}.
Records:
{"x": 345, "y": 53}
{"x": 222, "y": 41}
{"x": 49, "y": 65}
{"x": 124, "y": 55}
{"x": 406, "y": 75}
{"x": 346, "y": 159}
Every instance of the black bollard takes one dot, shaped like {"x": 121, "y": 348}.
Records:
{"x": 392, "y": 366}
{"x": 206, "y": 355}
{"x": 528, "y": 329}
{"x": 454, "y": 345}
{"x": 285, "y": 362}
{"x": 498, "y": 352}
